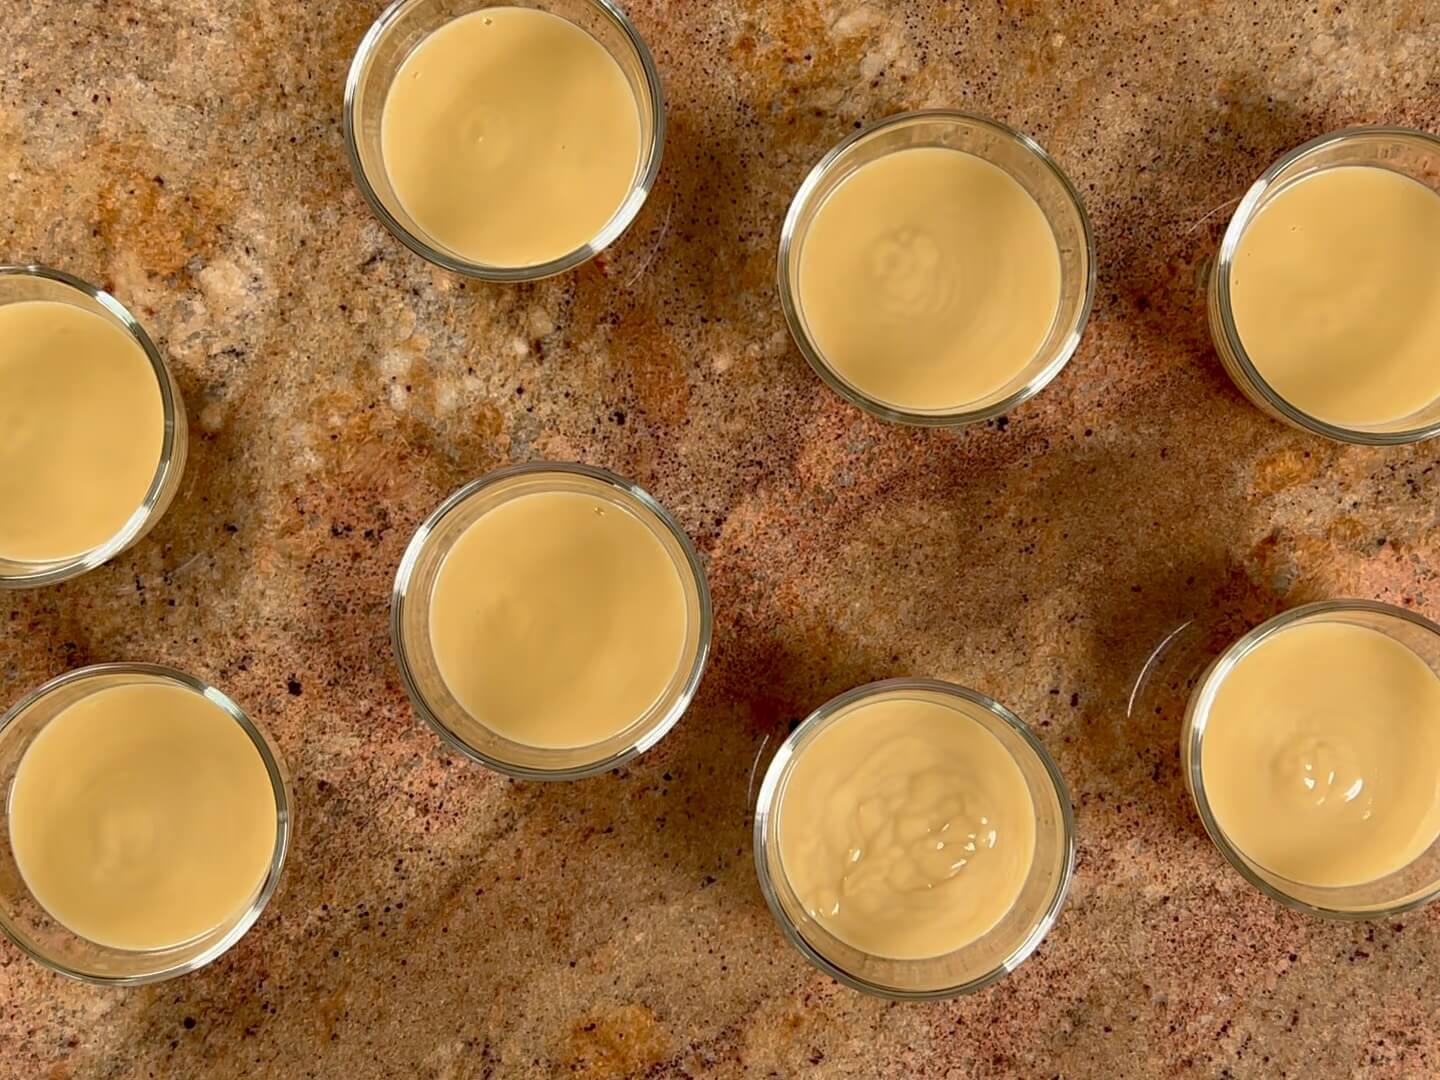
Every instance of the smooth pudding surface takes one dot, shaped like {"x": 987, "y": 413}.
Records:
{"x": 558, "y": 619}
{"x": 906, "y": 828}
{"x": 1321, "y": 754}
{"x": 142, "y": 817}
{"x": 82, "y": 424}
{"x": 511, "y": 136}
{"x": 1335, "y": 288}
{"x": 929, "y": 278}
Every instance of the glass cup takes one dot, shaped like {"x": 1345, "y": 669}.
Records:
{"x": 1030, "y": 166}
{"x": 983, "y": 961}
{"x": 415, "y": 655}
{"x": 22, "y": 918}
{"x": 389, "y": 42}
{"x": 1406, "y": 888}
{"x": 22, "y": 283}
{"x": 1415, "y": 154}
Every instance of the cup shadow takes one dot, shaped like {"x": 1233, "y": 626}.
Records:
{"x": 1156, "y": 260}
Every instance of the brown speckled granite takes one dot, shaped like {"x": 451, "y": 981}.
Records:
{"x": 439, "y": 921}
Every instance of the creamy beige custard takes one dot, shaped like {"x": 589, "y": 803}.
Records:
{"x": 142, "y": 816}
{"x": 1321, "y": 754}
{"x": 906, "y": 829}
{"x": 1335, "y": 289}
{"x": 81, "y": 428}
{"x": 558, "y": 619}
{"x": 929, "y": 279}
{"x": 511, "y": 136}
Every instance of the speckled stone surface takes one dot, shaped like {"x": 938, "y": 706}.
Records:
{"x": 439, "y": 921}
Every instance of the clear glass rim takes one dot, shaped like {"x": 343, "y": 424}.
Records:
{"x": 1239, "y": 221}
{"x": 51, "y": 573}
{"x": 625, "y": 214}
{"x": 765, "y": 809}
{"x": 1193, "y": 735}
{"x": 790, "y": 304}
{"x": 283, "y": 820}
{"x": 646, "y": 738}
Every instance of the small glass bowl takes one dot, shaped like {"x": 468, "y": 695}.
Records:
{"x": 32, "y": 928}
{"x": 20, "y": 283}
{"x": 389, "y": 42}
{"x": 980, "y": 963}
{"x": 1029, "y": 165}
{"x": 1412, "y": 885}
{"x": 1415, "y": 154}
{"x": 415, "y": 656}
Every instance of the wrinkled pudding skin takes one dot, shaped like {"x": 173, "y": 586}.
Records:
{"x": 906, "y": 828}
{"x": 1320, "y": 754}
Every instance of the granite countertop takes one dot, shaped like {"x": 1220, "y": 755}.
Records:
{"x": 437, "y": 920}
